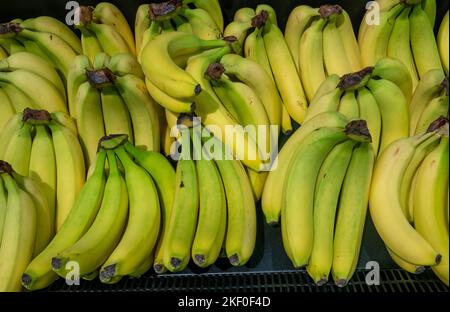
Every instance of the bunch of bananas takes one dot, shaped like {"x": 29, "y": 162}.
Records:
{"x": 44, "y": 36}
{"x": 104, "y": 29}
{"x": 429, "y": 102}
{"x": 45, "y": 147}
{"x": 380, "y": 95}
{"x": 322, "y": 43}
{"x": 322, "y": 195}
{"x": 406, "y": 33}
{"x": 409, "y": 200}
{"x": 443, "y": 43}
{"x": 27, "y": 80}
{"x": 263, "y": 42}
{"x": 109, "y": 96}
{"x": 26, "y": 224}
{"x": 202, "y": 18}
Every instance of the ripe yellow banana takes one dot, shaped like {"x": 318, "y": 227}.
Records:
{"x": 107, "y": 13}
{"x": 141, "y": 232}
{"x": 203, "y": 25}
{"x": 370, "y": 112}
{"x": 95, "y": 246}
{"x": 408, "y": 267}
{"x": 394, "y": 111}
{"x": 326, "y": 198}
{"x": 442, "y": 40}
{"x": 19, "y": 100}
{"x": 257, "y": 180}
{"x": 385, "y": 204}
{"x": 66, "y": 121}
{"x": 334, "y": 54}
{"x": 213, "y": 8}
{"x": 124, "y": 64}
{"x": 273, "y": 189}
{"x": 19, "y": 148}
{"x": 423, "y": 42}
{"x": 328, "y": 102}
{"x": 89, "y": 119}
{"x": 141, "y": 24}
{"x": 167, "y": 101}
{"x": 39, "y": 272}
{"x": 18, "y": 235}
{"x": 12, "y": 126}
{"x": 163, "y": 174}
{"x": 347, "y": 35}
{"x": 6, "y": 109}
{"x": 76, "y": 77}
{"x": 244, "y": 15}
{"x": 255, "y": 50}
{"x": 351, "y": 216}
{"x": 298, "y": 21}
{"x": 285, "y": 72}
{"x": 70, "y": 170}
{"x": 110, "y": 40}
{"x": 238, "y": 29}
{"x": 89, "y": 42}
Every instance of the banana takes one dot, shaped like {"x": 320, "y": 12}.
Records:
{"x": 141, "y": 24}
{"x": 115, "y": 113}
{"x": 203, "y": 25}
{"x": 76, "y": 77}
{"x": 124, "y": 64}
{"x": 66, "y": 121}
{"x": 151, "y": 33}
{"x": 14, "y": 124}
{"x": 94, "y": 247}
{"x": 347, "y": 35}
{"x": 101, "y": 61}
{"x": 408, "y": 267}
{"x": 442, "y": 40}
{"x": 286, "y": 122}
{"x": 109, "y": 14}
{"x": 423, "y": 42}
{"x": 399, "y": 46}
{"x": 53, "y": 26}
{"x": 298, "y": 193}
{"x": 42, "y": 91}
{"x": 175, "y": 82}
{"x": 348, "y": 105}
{"x": 43, "y": 166}
{"x": 163, "y": 174}
{"x": 352, "y": 212}
{"x": 143, "y": 225}
{"x": 273, "y": 189}
{"x": 19, "y": 148}
{"x": 213, "y": 8}
{"x": 430, "y": 204}
{"x": 405, "y": 189}
{"x": 70, "y": 170}
{"x": 240, "y": 237}
{"x": 272, "y": 15}
{"x": 375, "y": 38}
{"x": 143, "y": 111}
{"x": 244, "y": 15}
{"x": 438, "y": 107}
{"x": 430, "y": 87}
{"x": 44, "y": 221}
{"x": 257, "y": 180}
{"x": 312, "y": 71}
{"x": 255, "y": 50}
{"x": 239, "y": 30}
{"x": 285, "y": 73}
{"x": 298, "y": 21}
{"x": 254, "y": 76}
{"x": 19, "y": 100}
{"x": 6, "y": 109}
{"x": 34, "y": 64}
{"x": 18, "y": 235}
{"x": 110, "y": 40}
{"x": 385, "y": 205}
{"x": 89, "y": 119}
{"x": 429, "y": 6}
{"x": 212, "y": 211}
{"x": 334, "y": 54}
{"x": 370, "y": 112}
{"x": 326, "y": 198}
{"x": 394, "y": 111}
{"x": 55, "y": 48}
{"x": 11, "y": 46}
{"x": 3, "y": 200}
{"x": 144, "y": 267}
{"x": 91, "y": 45}
{"x": 39, "y": 272}
{"x": 328, "y": 102}
{"x": 167, "y": 101}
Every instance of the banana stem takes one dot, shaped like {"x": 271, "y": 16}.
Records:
{"x": 357, "y": 130}
{"x": 113, "y": 141}
{"x": 440, "y": 126}
{"x": 215, "y": 71}
{"x": 165, "y": 10}
{"x": 9, "y": 30}
{"x": 330, "y": 11}
{"x": 100, "y": 78}
{"x": 260, "y": 20}
{"x": 36, "y": 117}
{"x": 6, "y": 167}
{"x": 354, "y": 81}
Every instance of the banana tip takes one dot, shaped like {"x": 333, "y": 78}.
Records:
{"x": 322, "y": 282}
{"x": 159, "y": 268}
{"x": 107, "y": 273}
{"x": 420, "y": 270}
{"x": 341, "y": 283}
{"x": 438, "y": 259}
{"x": 56, "y": 263}
{"x": 175, "y": 262}
{"x": 26, "y": 279}
{"x": 234, "y": 259}
{"x": 199, "y": 260}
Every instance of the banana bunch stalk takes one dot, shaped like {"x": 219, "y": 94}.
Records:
{"x": 429, "y": 102}
{"x": 202, "y": 18}
{"x": 28, "y": 80}
{"x": 109, "y": 96}
{"x": 443, "y": 43}
{"x": 104, "y": 29}
{"x": 45, "y": 147}
{"x": 44, "y": 36}
{"x": 113, "y": 226}
{"x": 409, "y": 200}
{"x": 324, "y": 196}
{"x": 406, "y": 33}
{"x": 380, "y": 95}
{"x": 322, "y": 43}
{"x": 26, "y": 225}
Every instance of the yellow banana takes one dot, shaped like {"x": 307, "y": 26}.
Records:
{"x": 141, "y": 24}
{"x": 6, "y": 109}
{"x": 442, "y": 40}
{"x": 19, "y": 148}
{"x": 370, "y": 112}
